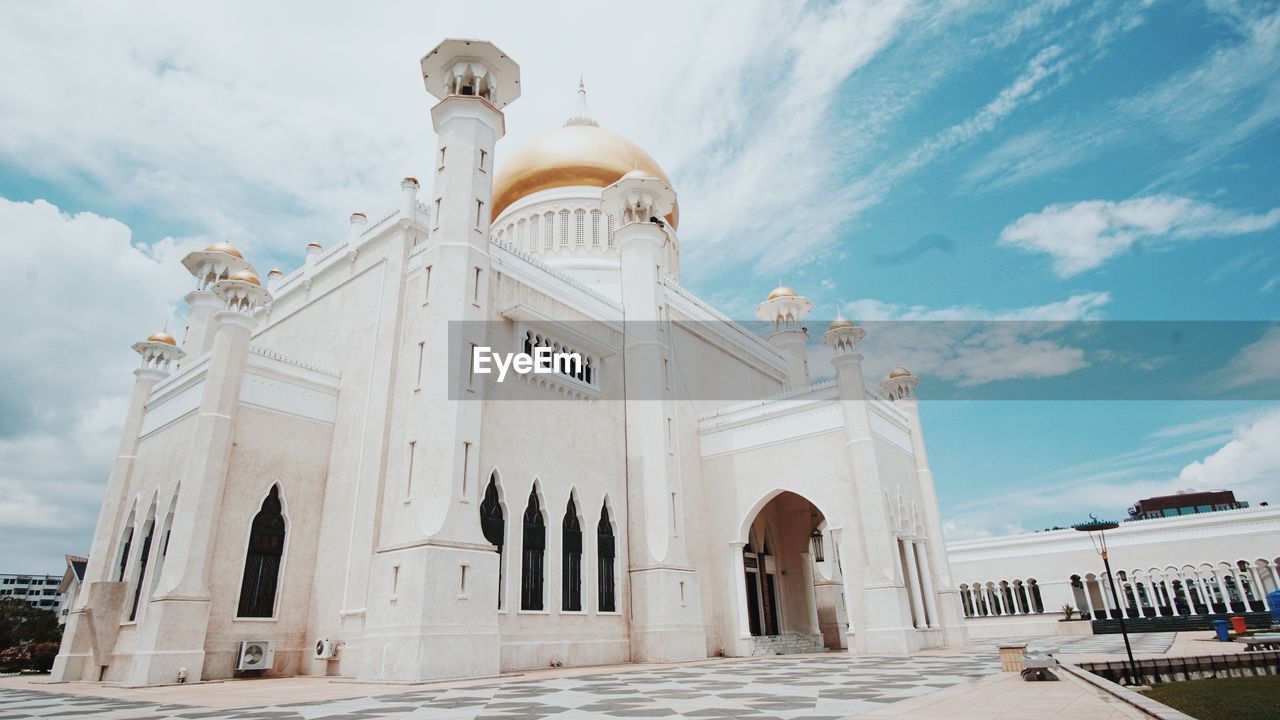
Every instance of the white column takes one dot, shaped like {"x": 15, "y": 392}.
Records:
{"x": 997, "y": 599}
{"x": 811, "y": 595}
{"x": 913, "y": 584}
{"x": 1275, "y": 574}
{"x": 1173, "y": 598}
{"x": 926, "y": 577}
{"x": 1105, "y": 591}
{"x": 1088, "y": 603}
{"x": 739, "y": 582}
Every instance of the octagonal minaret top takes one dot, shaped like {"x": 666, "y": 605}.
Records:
{"x": 473, "y": 68}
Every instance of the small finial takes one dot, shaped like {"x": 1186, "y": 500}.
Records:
{"x": 582, "y": 86}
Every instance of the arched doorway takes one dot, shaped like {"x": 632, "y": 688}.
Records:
{"x": 781, "y": 543}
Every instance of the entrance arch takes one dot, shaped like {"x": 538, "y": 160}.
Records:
{"x": 780, "y": 538}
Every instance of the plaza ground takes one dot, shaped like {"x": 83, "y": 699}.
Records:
{"x": 956, "y": 683}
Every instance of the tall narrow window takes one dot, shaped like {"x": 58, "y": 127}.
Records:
{"x": 479, "y": 212}
{"x": 124, "y": 552}
{"x": 475, "y": 288}
{"x": 571, "y": 560}
{"x": 262, "y": 564}
{"x": 483, "y": 156}
{"x": 422, "y": 346}
{"x": 466, "y": 463}
{"x": 494, "y": 527}
{"x": 408, "y": 482}
{"x": 535, "y": 545}
{"x": 426, "y": 285}
{"x": 142, "y": 568}
{"x": 605, "y": 554}
{"x": 441, "y": 167}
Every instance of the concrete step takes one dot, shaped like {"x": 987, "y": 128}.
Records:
{"x": 785, "y": 644}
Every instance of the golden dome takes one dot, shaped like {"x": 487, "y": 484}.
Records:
{"x": 246, "y": 276}
{"x": 162, "y": 337}
{"x": 570, "y": 156}
{"x": 275, "y": 271}
{"x": 781, "y": 291}
{"x": 899, "y": 372}
{"x": 839, "y": 323}
{"x": 313, "y": 244}
{"x": 224, "y": 247}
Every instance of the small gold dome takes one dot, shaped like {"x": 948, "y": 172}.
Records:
{"x": 275, "y": 271}
{"x": 224, "y": 247}
{"x": 782, "y": 291}
{"x": 313, "y": 244}
{"x": 570, "y": 156}
{"x": 246, "y": 276}
{"x": 899, "y": 372}
{"x": 162, "y": 337}
{"x": 839, "y": 323}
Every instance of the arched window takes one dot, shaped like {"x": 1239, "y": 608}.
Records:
{"x": 494, "y": 528}
{"x": 535, "y": 545}
{"x": 605, "y": 554}
{"x": 262, "y": 563}
{"x": 143, "y": 557}
{"x": 571, "y": 560}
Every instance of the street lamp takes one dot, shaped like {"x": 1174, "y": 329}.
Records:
{"x": 1097, "y": 530}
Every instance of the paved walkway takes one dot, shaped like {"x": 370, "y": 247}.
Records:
{"x": 959, "y": 683}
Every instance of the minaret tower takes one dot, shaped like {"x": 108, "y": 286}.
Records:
{"x": 785, "y": 311}
{"x": 666, "y": 621}
{"x": 446, "y": 564}
{"x": 880, "y": 607}
{"x": 935, "y": 568}
{"x": 216, "y": 262}
{"x": 103, "y": 596}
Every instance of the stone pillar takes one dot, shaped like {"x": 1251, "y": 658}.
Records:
{"x": 926, "y": 576}
{"x": 913, "y": 584}
{"x": 811, "y": 595}
{"x": 86, "y": 644}
{"x": 885, "y": 609}
{"x": 177, "y": 620}
{"x": 663, "y": 629}
{"x": 738, "y": 590}
{"x": 900, "y": 387}
{"x": 435, "y": 522}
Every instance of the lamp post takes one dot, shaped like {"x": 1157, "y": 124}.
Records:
{"x": 1100, "y": 528}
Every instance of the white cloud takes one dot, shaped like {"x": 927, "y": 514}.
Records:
{"x": 1249, "y": 464}
{"x": 74, "y": 295}
{"x": 1242, "y": 456}
{"x": 1256, "y": 363}
{"x": 971, "y": 345}
{"x": 1084, "y": 235}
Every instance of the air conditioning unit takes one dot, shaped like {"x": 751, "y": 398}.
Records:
{"x": 255, "y": 655}
{"x": 326, "y": 649}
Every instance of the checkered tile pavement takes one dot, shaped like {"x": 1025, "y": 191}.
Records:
{"x": 796, "y": 688}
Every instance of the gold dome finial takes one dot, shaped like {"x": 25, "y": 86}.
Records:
{"x": 246, "y": 276}
{"x": 224, "y": 247}
{"x": 899, "y": 372}
{"x": 162, "y": 336}
{"x": 780, "y": 292}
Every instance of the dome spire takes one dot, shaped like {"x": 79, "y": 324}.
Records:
{"x": 582, "y": 114}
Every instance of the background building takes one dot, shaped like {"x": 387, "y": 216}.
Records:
{"x": 36, "y": 590}
{"x": 1179, "y": 566}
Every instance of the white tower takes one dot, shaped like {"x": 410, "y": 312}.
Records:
{"x": 447, "y": 571}
{"x": 785, "y": 311}
{"x": 666, "y": 621}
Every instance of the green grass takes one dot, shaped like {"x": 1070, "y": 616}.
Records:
{"x": 1245, "y": 698}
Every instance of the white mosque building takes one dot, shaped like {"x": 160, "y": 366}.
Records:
{"x": 315, "y": 480}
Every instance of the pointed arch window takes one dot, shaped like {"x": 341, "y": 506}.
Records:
{"x": 262, "y": 562}
{"x": 531, "y": 561}
{"x": 494, "y": 527}
{"x": 571, "y": 560}
{"x": 143, "y": 556}
{"x": 605, "y": 553}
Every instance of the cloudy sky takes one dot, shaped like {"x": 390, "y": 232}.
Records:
{"x": 965, "y": 160}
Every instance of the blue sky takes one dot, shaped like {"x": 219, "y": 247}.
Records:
{"x": 898, "y": 160}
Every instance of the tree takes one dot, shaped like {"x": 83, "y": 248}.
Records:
{"x": 23, "y": 623}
